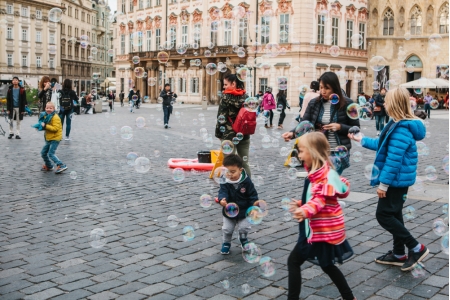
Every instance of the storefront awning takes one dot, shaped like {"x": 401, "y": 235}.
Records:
{"x": 350, "y": 68}
{"x": 335, "y": 67}
{"x": 282, "y": 65}
{"x": 362, "y": 69}
{"x": 321, "y": 65}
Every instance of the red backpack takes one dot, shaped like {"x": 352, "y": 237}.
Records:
{"x": 245, "y": 122}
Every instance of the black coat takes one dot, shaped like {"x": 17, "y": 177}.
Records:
{"x": 44, "y": 97}
{"x": 71, "y": 94}
{"x": 312, "y": 115}
{"x": 10, "y": 102}
{"x": 281, "y": 100}
{"x": 379, "y": 101}
{"x": 232, "y": 193}
{"x": 167, "y": 99}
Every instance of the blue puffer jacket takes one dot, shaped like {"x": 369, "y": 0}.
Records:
{"x": 396, "y": 156}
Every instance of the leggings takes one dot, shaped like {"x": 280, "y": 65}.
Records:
{"x": 270, "y": 117}
{"x": 295, "y": 261}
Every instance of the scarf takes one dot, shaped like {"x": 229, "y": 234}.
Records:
{"x": 235, "y": 92}
{"x": 43, "y": 118}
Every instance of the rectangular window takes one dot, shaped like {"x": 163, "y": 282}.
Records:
{"x": 360, "y": 87}
{"x": 131, "y": 43}
{"x": 362, "y": 33}
{"x": 149, "y": 3}
{"x": 9, "y": 9}
{"x": 51, "y": 38}
{"x": 140, "y": 37}
{"x": 173, "y": 36}
{"x": 9, "y": 33}
{"x": 38, "y": 14}
{"x": 63, "y": 29}
{"x": 83, "y": 14}
{"x": 24, "y": 61}
{"x": 335, "y": 31}
{"x": 158, "y": 2}
{"x": 69, "y": 11}
{"x": 24, "y": 35}
{"x": 194, "y": 85}
{"x": 141, "y": 4}
{"x": 131, "y": 6}
{"x": 214, "y": 37}
{"x": 182, "y": 85}
{"x": 264, "y": 30}
{"x": 158, "y": 38}
{"x": 349, "y": 34}
{"x": 172, "y": 84}
{"x": 149, "y": 40}
{"x": 263, "y": 84}
{"x": 226, "y": 33}
{"x": 69, "y": 30}
{"x": 243, "y": 31}
{"x": 184, "y": 34}
{"x": 51, "y": 63}
{"x": 198, "y": 28}
{"x": 76, "y": 31}
{"x": 76, "y": 13}
{"x": 10, "y": 60}
{"x": 69, "y": 50}
{"x": 122, "y": 7}
{"x": 88, "y": 18}
{"x": 77, "y": 52}
{"x": 284, "y": 28}
{"x": 38, "y": 36}
{"x": 38, "y": 62}
{"x": 24, "y": 11}
{"x": 320, "y": 29}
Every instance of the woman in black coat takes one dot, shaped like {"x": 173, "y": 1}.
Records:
{"x": 331, "y": 119}
{"x": 282, "y": 103}
{"x": 378, "y": 111}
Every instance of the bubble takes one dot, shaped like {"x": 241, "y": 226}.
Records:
{"x": 431, "y": 173}
{"x": 251, "y": 104}
{"x": 182, "y": 48}
{"x": 292, "y": 173}
{"x": 162, "y": 57}
{"x": 111, "y": 52}
{"x": 444, "y": 244}
{"x": 302, "y": 128}
{"x": 73, "y": 175}
{"x": 407, "y": 36}
{"x": 405, "y": 197}
{"x": 151, "y": 81}
{"x": 188, "y": 233}
{"x": 418, "y": 185}
{"x": 335, "y": 51}
{"x": 55, "y": 15}
{"x": 328, "y": 39}
{"x": 172, "y": 221}
{"x": 409, "y": 213}
{"x": 206, "y": 201}
{"x": 445, "y": 209}
{"x": 221, "y": 119}
{"x": 140, "y": 122}
{"x": 365, "y": 114}
{"x": 377, "y": 63}
{"x": 225, "y": 284}
{"x": 251, "y": 253}
{"x": 413, "y": 104}
{"x": 231, "y": 210}
{"x": 357, "y": 156}
{"x": 243, "y": 190}
{"x": 303, "y": 89}
{"x": 245, "y": 288}
{"x": 97, "y": 238}
{"x": 418, "y": 270}
{"x": 342, "y": 204}
{"x": 211, "y": 69}
{"x": 142, "y": 165}
{"x": 282, "y": 83}
{"x": 353, "y": 111}
{"x": 371, "y": 172}
{"x": 242, "y": 73}
{"x": 239, "y": 136}
{"x": 136, "y": 60}
{"x": 227, "y": 147}
{"x": 336, "y": 162}
{"x": 341, "y": 151}
{"x": 434, "y": 104}
{"x": 178, "y": 174}
{"x": 422, "y": 149}
{"x": 262, "y": 204}
{"x": 220, "y": 175}
{"x": 52, "y": 49}
{"x": 139, "y": 72}
{"x": 254, "y": 215}
{"x": 357, "y": 40}
{"x": 375, "y": 85}
{"x": 440, "y": 228}
{"x": 266, "y": 142}
{"x": 266, "y": 267}
{"x": 410, "y": 69}
{"x": 244, "y": 158}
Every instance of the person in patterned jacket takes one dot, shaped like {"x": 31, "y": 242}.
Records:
{"x": 233, "y": 97}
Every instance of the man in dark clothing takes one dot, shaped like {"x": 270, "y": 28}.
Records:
{"x": 121, "y": 96}
{"x": 16, "y": 100}
{"x": 168, "y": 97}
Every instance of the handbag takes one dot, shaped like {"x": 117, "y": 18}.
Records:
{"x": 377, "y": 108}
{"x": 54, "y": 100}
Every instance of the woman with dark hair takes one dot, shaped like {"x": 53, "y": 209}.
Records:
{"x": 331, "y": 119}
{"x": 233, "y": 97}
{"x": 282, "y": 104}
{"x": 66, "y": 98}
{"x": 268, "y": 104}
{"x": 45, "y": 92}
{"x": 378, "y": 111}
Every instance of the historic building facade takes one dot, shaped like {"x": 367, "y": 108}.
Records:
{"x": 412, "y": 37}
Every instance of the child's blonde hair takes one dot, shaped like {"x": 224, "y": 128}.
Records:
{"x": 318, "y": 147}
{"x": 398, "y": 105}
{"x": 51, "y": 104}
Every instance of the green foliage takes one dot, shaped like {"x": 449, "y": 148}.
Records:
{"x": 32, "y": 97}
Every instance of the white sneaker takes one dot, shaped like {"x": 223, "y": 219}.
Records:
{"x": 67, "y": 138}
{"x": 378, "y": 133}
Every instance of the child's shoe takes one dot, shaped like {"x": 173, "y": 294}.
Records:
{"x": 225, "y": 248}
{"x": 60, "y": 169}
{"x": 390, "y": 259}
{"x": 45, "y": 168}
{"x": 414, "y": 258}
{"x": 243, "y": 242}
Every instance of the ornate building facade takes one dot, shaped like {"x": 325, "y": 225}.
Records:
{"x": 412, "y": 37}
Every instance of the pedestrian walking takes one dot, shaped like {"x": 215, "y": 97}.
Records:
{"x": 427, "y": 101}
{"x": 168, "y": 97}
{"x": 268, "y": 104}
{"x": 46, "y": 89}
{"x": 121, "y": 97}
{"x": 396, "y": 162}
{"x": 281, "y": 105}
{"x": 378, "y": 110}
{"x": 67, "y": 96}
{"x": 16, "y": 101}
{"x": 110, "y": 100}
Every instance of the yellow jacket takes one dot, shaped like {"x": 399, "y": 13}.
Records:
{"x": 53, "y": 130}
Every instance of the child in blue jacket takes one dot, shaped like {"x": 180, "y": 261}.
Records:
{"x": 396, "y": 164}
{"x": 238, "y": 189}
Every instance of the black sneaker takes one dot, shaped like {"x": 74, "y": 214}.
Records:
{"x": 243, "y": 242}
{"x": 414, "y": 258}
{"x": 390, "y": 259}
{"x": 10, "y": 136}
{"x": 18, "y": 137}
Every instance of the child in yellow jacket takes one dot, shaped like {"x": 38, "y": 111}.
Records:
{"x": 51, "y": 123}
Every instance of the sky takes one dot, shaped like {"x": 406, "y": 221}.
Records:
{"x": 113, "y": 5}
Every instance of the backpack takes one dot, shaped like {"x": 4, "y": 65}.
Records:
{"x": 420, "y": 114}
{"x": 245, "y": 122}
{"x": 65, "y": 101}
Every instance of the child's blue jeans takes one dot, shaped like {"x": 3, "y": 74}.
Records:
{"x": 48, "y": 152}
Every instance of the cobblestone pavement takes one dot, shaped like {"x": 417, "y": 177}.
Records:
{"x": 46, "y": 219}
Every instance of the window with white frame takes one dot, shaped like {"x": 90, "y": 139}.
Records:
{"x": 198, "y": 28}
{"x": 24, "y": 34}
{"x": 158, "y": 2}
{"x": 243, "y": 31}
{"x": 362, "y": 33}
{"x": 149, "y": 40}
{"x": 10, "y": 60}
{"x": 131, "y": 43}
{"x": 9, "y": 9}
{"x": 38, "y": 62}
{"x": 227, "y": 32}
{"x": 171, "y": 81}
{"x": 265, "y": 26}
{"x": 388, "y": 22}
{"x": 51, "y": 63}
{"x": 443, "y": 19}
{"x": 263, "y": 84}
{"x": 158, "y": 38}
{"x": 141, "y": 4}
{"x": 284, "y": 28}
{"x": 182, "y": 85}
{"x": 335, "y": 30}
{"x": 38, "y": 14}
{"x": 24, "y": 60}
{"x": 149, "y": 3}
{"x": 38, "y": 36}
{"x": 24, "y": 12}
{"x": 131, "y": 6}
{"x": 416, "y": 21}
{"x": 122, "y": 7}
{"x": 140, "y": 38}
{"x": 9, "y": 33}
{"x": 320, "y": 29}
{"x": 51, "y": 38}
{"x": 173, "y": 36}
{"x": 360, "y": 87}
{"x": 195, "y": 85}
{"x": 349, "y": 33}
{"x": 184, "y": 34}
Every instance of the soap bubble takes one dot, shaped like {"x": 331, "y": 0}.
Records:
{"x": 375, "y": 85}
{"x": 418, "y": 185}
{"x": 413, "y": 104}
{"x": 444, "y": 244}
{"x": 405, "y": 197}
{"x": 377, "y": 63}
{"x": 221, "y": 119}
{"x": 303, "y": 127}
{"x": 162, "y": 57}
{"x": 434, "y": 104}
{"x": 97, "y": 238}
{"x": 126, "y": 133}
{"x": 336, "y": 162}
{"x": 357, "y": 40}
{"x": 409, "y": 213}
{"x": 206, "y": 201}
{"x": 282, "y": 83}
{"x": 245, "y": 288}
{"x": 139, "y": 72}
{"x": 172, "y": 221}
{"x": 285, "y": 203}
{"x": 445, "y": 164}
{"x": 341, "y": 151}
{"x": 220, "y": 175}
{"x": 227, "y": 147}
{"x": 353, "y": 111}
{"x": 445, "y": 209}
{"x": 371, "y": 171}
{"x": 225, "y": 284}
{"x": 239, "y": 136}
{"x": 242, "y": 73}
{"x": 131, "y": 158}
{"x": 335, "y": 51}
{"x": 284, "y": 151}
{"x": 231, "y": 210}
{"x": 266, "y": 267}
{"x": 262, "y": 205}
{"x": 251, "y": 104}
{"x": 55, "y": 14}
{"x": 365, "y": 114}
{"x": 254, "y": 215}
{"x": 418, "y": 270}
{"x": 357, "y": 156}
{"x": 251, "y": 253}
{"x": 211, "y": 69}
{"x": 431, "y": 173}
{"x": 111, "y": 52}
{"x": 188, "y": 233}
{"x": 151, "y": 81}
{"x": 136, "y": 60}
{"x": 266, "y": 142}
{"x": 422, "y": 149}
{"x": 439, "y": 227}
{"x": 334, "y": 99}
{"x": 342, "y": 204}
{"x": 292, "y": 173}
{"x": 178, "y": 174}
{"x": 140, "y": 122}
{"x": 142, "y": 165}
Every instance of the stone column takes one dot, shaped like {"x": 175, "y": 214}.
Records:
{"x": 204, "y": 85}
{"x": 208, "y": 85}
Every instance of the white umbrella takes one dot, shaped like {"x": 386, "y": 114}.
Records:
{"x": 440, "y": 83}
{"x": 420, "y": 83}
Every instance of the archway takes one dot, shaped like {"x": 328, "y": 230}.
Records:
{"x": 416, "y": 64}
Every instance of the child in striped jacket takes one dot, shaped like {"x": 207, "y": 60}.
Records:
{"x": 321, "y": 219}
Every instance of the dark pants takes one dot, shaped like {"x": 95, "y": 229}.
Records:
{"x": 379, "y": 122}
{"x": 427, "y": 108}
{"x": 390, "y": 217}
{"x": 282, "y": 116}
{"x": 300, "y": 103}
{"x": 386, "y": 119}
{"x": 121, "y": 102}
{"x": 66, "y": 115}
{"x": 270, "y": 117}
{"x": 167, "y": 113}
{"x": 87, "y": 107}
{"x": 294, "y": 263}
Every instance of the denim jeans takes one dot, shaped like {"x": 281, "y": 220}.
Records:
{"x": 427, "y": 109}
{"x": 379, "y": 122}
{"x": 66, "y": 115}
{"x": 167, "y": 112}
{"x": 48, "y": 152}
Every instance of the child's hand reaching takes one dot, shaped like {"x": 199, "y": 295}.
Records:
{"x": 43, "y": 124}
{"x": 223, "y": 202}
{"x": 299, "y": 214}
{"x": 293, "y": 205}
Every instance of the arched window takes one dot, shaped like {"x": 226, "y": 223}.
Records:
{"x": 416, "y": 21}
{"x": 388, "y": 22}
{"x": 443, "y": 19}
